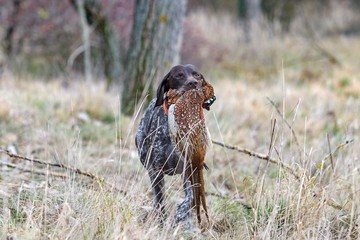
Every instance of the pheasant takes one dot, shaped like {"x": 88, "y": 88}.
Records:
{"x": 189, "y": 133}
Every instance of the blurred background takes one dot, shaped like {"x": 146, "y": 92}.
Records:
{"x": 131, "y": 44}
{"x": 76, "y": 75}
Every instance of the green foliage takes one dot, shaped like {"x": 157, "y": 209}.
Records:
{"x": 43, "y": 13}
{"x": 230, "y": 214}
{"x": 345, "y": 81}
{"x": 108, "y": 118}
{"x": 40, "y": 104}
{"x": 276, "y": 172}
{"x": 18, "y": 216}
{"x": 102, "y": 115}
{"x": 18, "y": 205}
{"x": 90, "y": 132}
{"x": 280, "y": 210}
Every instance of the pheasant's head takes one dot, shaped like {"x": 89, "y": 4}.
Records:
{"x": 208, "y": 94}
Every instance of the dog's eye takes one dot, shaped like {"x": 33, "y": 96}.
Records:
{"x": 179, "y": 75}
{"x": 196, "y": 75}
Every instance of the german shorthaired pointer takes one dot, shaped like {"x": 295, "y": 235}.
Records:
{"x": 157, "y": 152}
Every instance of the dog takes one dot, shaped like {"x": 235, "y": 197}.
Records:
{"x": 157, "y": 153}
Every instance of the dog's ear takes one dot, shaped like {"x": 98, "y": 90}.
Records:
{"x": 163, "y": 87}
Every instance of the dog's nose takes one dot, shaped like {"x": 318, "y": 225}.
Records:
{"x": 192, "y": 83}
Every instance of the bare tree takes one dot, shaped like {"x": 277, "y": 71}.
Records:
{"x": 110, "y": 47}
{"x": 86, "y": 40}
{"x": 155, "y": 44}
{"x": 249, "y": 12}
{"x": 8, "y": 43}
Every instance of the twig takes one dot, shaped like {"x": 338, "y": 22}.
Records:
{"x": 63, "y": 166}
{"x": 287, "y": 124}
{"x": 341, "y": 145}
{"x": 330, "y": 153}
{"x": 60, "y": 165}
{"x": 333, "y": 204}
{"x": 272, "y": 138}
{"x": 53, "y": 174}
{"x": 259, "y": 156}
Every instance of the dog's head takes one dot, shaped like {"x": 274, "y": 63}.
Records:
{"x": 181, "y": 78}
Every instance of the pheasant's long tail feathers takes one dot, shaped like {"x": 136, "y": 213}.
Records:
{"x": 202, "y": 191}
{"x": 197, "y": 181}
{"x": 197, "y": 191}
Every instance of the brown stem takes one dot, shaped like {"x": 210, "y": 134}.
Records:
{"x": 259, "y": 156}
{"x": 47, "y": 173}
{"x": 63, "y": 166}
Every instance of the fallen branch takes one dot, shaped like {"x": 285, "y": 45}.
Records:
{"x": 63, "y": 166}
{"x": 259, "y": 156}
{"x": 59, "y": 165}
{"x": 47, "y": 173}
{"x": 329, "y": 201}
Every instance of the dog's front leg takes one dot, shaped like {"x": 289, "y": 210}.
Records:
{"x": 158, "y": 183}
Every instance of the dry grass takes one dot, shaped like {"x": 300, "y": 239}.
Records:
{"x": 80, "y": 125}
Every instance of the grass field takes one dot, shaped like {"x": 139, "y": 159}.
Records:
{"x": 316, "y": 104}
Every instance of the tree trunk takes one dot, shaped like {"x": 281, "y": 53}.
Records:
{"x": 110, "y": 49}
{"x": 249, "y": 12}
{"x": 86, "y": 40}
{"x": 9, "y": 47}
{"x": 111, "y": 52}
{"x": 254, "y": 9}
{"x": 155, "y": 44}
